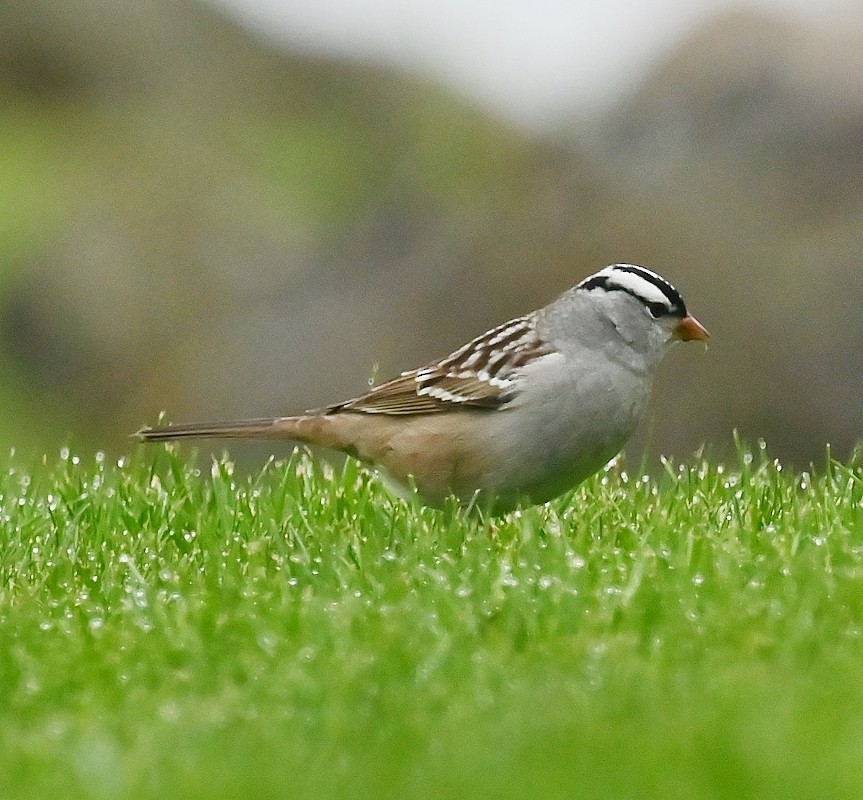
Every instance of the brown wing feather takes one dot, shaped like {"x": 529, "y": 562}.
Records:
{"x": 402, "y": 395}
{"x": 479, "y": 375}
{"x": 398, "y": 396}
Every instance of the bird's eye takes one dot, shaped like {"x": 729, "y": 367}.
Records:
{"x": 656, "y": 310}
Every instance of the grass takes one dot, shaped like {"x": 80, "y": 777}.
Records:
{"x": 171, "y": 632}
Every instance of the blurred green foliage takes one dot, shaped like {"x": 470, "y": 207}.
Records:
{"x": 174, "y": 631}
{"x": 194, "y": 221}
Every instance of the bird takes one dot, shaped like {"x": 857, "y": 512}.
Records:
{"x": 515, "y": 417}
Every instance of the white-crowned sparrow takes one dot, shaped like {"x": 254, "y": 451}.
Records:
{"x": 519, "y": 414}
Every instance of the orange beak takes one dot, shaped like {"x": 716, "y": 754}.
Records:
{"x": 690, "y": 329}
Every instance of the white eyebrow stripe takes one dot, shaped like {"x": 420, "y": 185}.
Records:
{"x": 639, "y": 286}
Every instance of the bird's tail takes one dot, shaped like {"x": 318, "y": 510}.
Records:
{"x": 310, "y": 429}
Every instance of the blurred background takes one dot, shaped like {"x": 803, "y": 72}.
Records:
{"x": 254, "y": 207}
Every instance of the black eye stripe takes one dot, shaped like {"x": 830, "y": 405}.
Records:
{"x": 673, "y": 305}
{"x": 602, "y": 282}
{"x": 595, "y": 282}
{"x": 676, "y": 305}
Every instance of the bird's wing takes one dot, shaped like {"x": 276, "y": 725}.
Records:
{"x": 481, "y": 374}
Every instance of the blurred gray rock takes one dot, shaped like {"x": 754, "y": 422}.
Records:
{"x": 219, "y": 229}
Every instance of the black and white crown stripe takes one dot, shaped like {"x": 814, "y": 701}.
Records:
{"x": 660, "y": 297}
{"x": 485, "y": 372}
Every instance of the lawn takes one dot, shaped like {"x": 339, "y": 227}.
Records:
{"x": 173, "y": 631}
